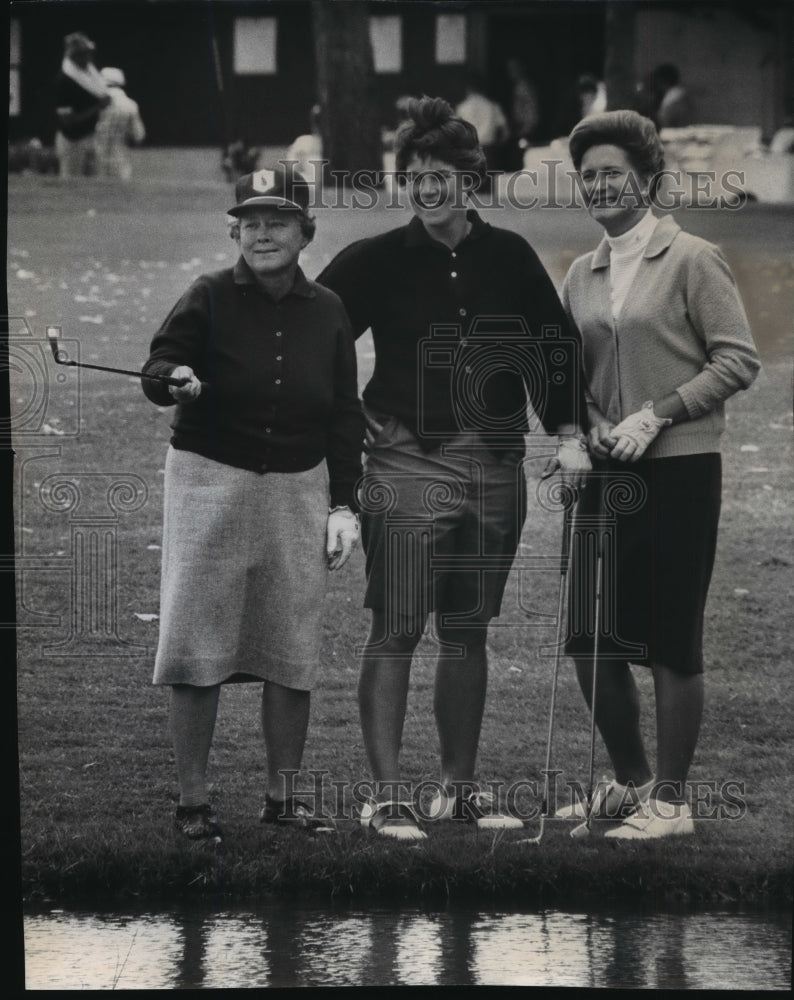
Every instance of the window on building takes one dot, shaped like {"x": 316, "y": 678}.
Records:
{"x": 255, "y": 45}
{"x": 386, "y": 35}
{"x": 450, "y": 39}
{"x": 14, "y": 96}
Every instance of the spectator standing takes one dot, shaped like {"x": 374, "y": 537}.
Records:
{"x": 120, "y": 126}
{"x": 675, "y": 105}
{"x": 306, "y": 151}
{"x": 487, "y": 117}
{"x": 592, "y": 95}
{"x": 80, "y": 95}
{"x": 525, "y": 108}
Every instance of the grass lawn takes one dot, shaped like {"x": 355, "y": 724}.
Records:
{"x": 97, "y": 783}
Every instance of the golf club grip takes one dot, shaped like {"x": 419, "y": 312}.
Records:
{"x": 178, "y": 382}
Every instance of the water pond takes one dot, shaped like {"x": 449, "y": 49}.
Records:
{"x": 280, "y": 945}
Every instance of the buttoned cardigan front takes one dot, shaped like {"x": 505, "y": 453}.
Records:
{"x": 682, "y": 328}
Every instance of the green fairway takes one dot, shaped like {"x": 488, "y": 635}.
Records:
{"x": 106, "y": 263}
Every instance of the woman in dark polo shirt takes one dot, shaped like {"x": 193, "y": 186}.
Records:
{"x": 259, "y": 490}
{"x": 465, "y": 320}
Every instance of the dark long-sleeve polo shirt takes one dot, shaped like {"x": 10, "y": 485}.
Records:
{"x": 282, "y": 376}
{"x": 460, "y": 335}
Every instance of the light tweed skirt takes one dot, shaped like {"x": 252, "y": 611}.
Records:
{"x": 244, "y": 574}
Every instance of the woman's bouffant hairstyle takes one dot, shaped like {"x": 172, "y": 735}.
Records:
{"x": 431, "y": 129}
{"x": 629, "y": 130}
{"x": 308, "y": 225}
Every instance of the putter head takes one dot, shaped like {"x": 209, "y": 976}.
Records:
{"x": 53, "y": 334}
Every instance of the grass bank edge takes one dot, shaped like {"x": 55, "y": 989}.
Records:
{"x": 458, "y": 867}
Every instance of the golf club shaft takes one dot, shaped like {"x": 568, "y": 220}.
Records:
{"x": 124, "y": 371}
{"x": 564, "y": 559}
{"x": 596, "y": 637}
{"x": 61, "y": 358}
{"x": 565, "y": 556}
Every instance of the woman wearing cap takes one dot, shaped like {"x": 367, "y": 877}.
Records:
{"x": 259, "y": 490}
{"x": 665, "y": 343}
{"x": 444, "y": 497}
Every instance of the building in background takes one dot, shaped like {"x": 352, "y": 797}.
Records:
{"x": 206, "y": 74}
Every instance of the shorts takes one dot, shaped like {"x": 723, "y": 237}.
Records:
{"x": 440, "y": 529}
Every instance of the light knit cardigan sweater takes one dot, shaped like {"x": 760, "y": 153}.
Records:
{"x": 682, "y": 328}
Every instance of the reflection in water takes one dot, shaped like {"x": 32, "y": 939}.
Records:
{"x": 285, "y": 945}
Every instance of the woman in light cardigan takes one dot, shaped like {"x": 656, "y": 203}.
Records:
{"x": 665, "y": 343}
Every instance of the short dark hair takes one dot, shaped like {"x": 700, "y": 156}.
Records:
{"x": 627, "y": 129}
{"x": 431, "y": 129}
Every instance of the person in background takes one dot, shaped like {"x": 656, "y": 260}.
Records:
{"x": 674, "y": 109}
{"x": 665, "y": 343}
{"x": 524, "y": 110}
{"x": 592, "y": 95}
{"x": 120, "y": 126}
{"x": 487, "y": 117}
{"x": 444, "y": 493}
{"x": 80, "y": 95}
{"x": 306, "y": 151}
{"x": 260, "y": 497}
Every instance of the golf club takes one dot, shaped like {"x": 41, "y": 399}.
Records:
{"x": 62, "y": 358}
{"x": 583, "y": 829}
{"x": 564, "y": 562}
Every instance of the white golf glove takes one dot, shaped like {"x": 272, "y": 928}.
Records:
{"x": 190, "y": 390}
{"x": 572, "y": 460}
{"x": 342, "y": 532}
{"x": 636, "y": 433}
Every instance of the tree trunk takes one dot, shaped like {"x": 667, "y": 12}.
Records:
{"x": 619, "y": 73}
{"x": 346, "y": 89}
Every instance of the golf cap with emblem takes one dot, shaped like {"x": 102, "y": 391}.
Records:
{"x": 276, "y": 186}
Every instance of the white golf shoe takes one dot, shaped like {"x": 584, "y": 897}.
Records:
{"x": 610, "y": 801}
{"x": 655, "y": 819}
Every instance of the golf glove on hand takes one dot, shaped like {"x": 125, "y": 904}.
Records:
{"x": 636, "y": 433}
{"x": 341, "y": 535}
{"x": 190, "y": 390}
{"x": 572, "y": 460}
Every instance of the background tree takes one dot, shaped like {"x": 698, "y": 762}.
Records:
{"x": 349, "y": 123}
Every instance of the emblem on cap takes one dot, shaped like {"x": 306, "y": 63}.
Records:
{"x": 263, "y": 180}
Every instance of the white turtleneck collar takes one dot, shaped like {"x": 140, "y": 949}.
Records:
{"x": 636, "y": 237}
